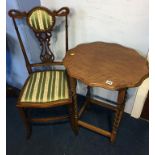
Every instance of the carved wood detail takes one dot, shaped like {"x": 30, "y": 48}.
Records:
{"x": 46, "y": 53}
{"x": 43, "y": 35}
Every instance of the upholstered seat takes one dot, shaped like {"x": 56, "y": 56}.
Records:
{"x": 44, "y": 87}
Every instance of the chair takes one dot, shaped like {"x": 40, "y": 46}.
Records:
{"x": 46, "y": 88}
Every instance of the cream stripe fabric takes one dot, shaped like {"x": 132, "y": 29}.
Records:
{"x": 45, "y": 87}
{"x": 62, "y": 83}
{"x": 36, "y": 86}
{"x": 40, "y": 20}
{"x": 46, "y": 22}
{"x": 45, "y": 95}
{"x": 33, "y": 21}
{"x": 25, "y": 91}
{"x": 66, "y": 87}
{"x": 56, "y": 86}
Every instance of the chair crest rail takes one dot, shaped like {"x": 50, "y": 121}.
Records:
{"x": 17, "y": 14}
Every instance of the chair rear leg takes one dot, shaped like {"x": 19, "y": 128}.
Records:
{"x": 73, "y": 118}
{"x": 26, "y": 121}
{"x": 74, "y": 106}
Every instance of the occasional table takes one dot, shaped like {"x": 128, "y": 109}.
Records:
{"x": 107, "y": 65}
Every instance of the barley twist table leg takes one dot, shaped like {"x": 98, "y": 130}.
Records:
{"x": 88, "y": 95}
{"x": 85, "y": 103}
{"x": 73, "y": 84}
{"x": 118, "y": 113}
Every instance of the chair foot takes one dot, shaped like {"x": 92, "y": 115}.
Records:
{"x": 75, "y": 129}
{"x": 29, "y": 133}
{"x": 73, "y": 120}
{"x": 113, "y": 137}
{"x": 76, "y": 133}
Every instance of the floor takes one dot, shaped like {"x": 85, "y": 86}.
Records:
{"x": 58, "y": 138}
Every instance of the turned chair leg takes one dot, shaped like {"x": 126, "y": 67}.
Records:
{"x": 118, "y": 113}
{"x": 73, "y": 120}
{"x": 26, "y": 121}
{"x": 74, "y": 107}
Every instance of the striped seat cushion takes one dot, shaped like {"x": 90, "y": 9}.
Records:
{"x": 46, "y": 86}
{"x": 40, "y": 20}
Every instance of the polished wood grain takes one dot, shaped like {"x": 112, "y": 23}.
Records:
{"x": 118, "y": 114}
{"x": 106, "y": 65}
{"x": 94, "y": 128}
{"x": 43, "y": 120}
{"x": 74, "y": 121}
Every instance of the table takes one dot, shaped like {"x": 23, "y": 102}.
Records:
{"x": 107, "y": 65}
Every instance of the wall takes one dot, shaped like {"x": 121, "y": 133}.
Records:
{"x": 16, "y": 71}
{"x": 122, "y": 21}
{"x": 140, "y": 97}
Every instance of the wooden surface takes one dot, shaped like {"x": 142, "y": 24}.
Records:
{"x": 106, "y": 65}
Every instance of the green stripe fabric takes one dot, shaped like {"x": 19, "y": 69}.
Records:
{"x": 40, "y": 20}
{"x": 46, "y": 87}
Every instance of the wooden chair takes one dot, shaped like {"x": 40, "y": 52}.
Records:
{"x": 48, "y": 88}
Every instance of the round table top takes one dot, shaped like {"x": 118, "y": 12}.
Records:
{"x": 107, "y": 65}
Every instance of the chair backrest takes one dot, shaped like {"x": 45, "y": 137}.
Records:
{"x": 42, "y": 21}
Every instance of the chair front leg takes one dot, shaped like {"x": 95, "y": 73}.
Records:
{"x": 26, "y": 121}
{"x": 74, "y": 107}
{"x": 118, "y": 113}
